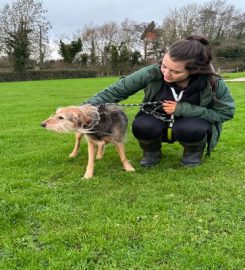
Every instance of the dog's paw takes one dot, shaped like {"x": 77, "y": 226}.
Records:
{"x": 129, "y": 168}
{"x": 73, "y": 155}
{"x": 87, "y": 176}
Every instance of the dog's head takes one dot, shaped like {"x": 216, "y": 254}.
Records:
{"x": 69, "y": 119}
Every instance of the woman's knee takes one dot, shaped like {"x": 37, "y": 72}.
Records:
{"x": 191, "y": 129}
{"x": 146, "y": 128}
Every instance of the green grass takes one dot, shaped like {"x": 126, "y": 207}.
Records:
{"x": 168, "y": 217}
{"x": 234, "y": 75}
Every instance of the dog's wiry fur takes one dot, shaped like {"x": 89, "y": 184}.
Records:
{"x": 101, "y": 125}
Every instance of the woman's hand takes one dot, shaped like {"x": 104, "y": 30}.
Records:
{"x": 169, "y": 106}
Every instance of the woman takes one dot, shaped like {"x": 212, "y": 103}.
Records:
{"x": 194, "y": 98}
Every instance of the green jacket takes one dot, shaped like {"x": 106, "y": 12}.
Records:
{"x": 216, "y": 107}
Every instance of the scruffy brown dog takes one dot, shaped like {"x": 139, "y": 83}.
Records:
{"x": 100, "y": 124}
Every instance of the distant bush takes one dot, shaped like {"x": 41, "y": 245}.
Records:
{"x": 46, "y": 75}
{"x": 231, "y": 52}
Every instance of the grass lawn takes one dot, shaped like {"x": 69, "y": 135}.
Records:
{"x": 168, "y": 217}
{"x": 234, "y": 75}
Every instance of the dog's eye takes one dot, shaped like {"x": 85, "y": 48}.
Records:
{"x": 60, "y": 117}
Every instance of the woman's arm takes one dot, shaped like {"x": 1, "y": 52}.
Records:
{"x": 125, "y": 86}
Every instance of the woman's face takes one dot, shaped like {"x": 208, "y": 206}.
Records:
{"x": 174, "y": 71}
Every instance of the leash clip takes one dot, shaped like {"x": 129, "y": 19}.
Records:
{"x": 171, "y": 121}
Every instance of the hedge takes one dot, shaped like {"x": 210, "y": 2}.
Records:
{"x": 46, "y": 75}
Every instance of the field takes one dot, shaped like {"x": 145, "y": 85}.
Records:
{"x": 168, "y": 217}
{"x": 233, "y": 75}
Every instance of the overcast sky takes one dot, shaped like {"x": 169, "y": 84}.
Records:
{"x": 67, "y": 17}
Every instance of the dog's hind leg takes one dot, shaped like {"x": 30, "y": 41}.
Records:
{"x": 75, "y": 150}
{"x": 91, "y": 157}
{"x": 121, "y": 151}
{"x": 100, "y": 151}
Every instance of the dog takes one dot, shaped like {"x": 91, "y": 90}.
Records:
{"x": 100, "y": 124}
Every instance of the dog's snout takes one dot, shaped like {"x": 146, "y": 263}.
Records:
{"x": 43, "y": 124}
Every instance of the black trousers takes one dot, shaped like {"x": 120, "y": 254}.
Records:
{"x": 185, "y": 129}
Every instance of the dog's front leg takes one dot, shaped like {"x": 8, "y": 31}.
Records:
{"x": 75, "y": 150}
{"x": 91, "y": 157}
{"x": 121, "y": 151}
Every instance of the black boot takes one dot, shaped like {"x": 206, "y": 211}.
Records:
{"x": 152, "y": 152}
{"x": 193, "y": 152}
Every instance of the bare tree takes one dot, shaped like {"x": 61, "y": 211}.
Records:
{"x": 217, "y": 20}
{"x": 179, "y": 24}
{"x": 131, "y": 33}
{"x": 97, "y": 39}
{"x": 32, "y": 13}
{"x": 238, "y": 27}
{"x": 89, "y": 38}
{"x": 107, "y": 35}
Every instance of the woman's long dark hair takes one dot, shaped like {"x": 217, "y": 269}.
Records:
{"x": 197, "y": 51}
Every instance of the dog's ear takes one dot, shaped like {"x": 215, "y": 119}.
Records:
{"x": 82, "y": 120}
{"x": 59, "y": 109}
